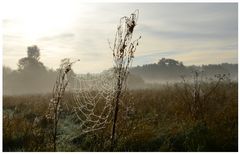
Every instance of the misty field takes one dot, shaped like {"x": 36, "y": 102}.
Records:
{"x": 160, "y": 118}
{"x": 103, "y": 104}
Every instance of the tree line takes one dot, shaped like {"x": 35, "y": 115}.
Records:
{"x": 172, "y": 70}
{"x": 32, "y": 76}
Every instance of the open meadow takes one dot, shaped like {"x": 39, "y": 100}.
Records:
{"x": 156, "y": 119}
{"x": 119, "y": 77}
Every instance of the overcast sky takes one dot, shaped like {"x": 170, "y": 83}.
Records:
{"x": 197, "y": 33}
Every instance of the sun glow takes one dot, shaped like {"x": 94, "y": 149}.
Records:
{"x": 43, "y": 18}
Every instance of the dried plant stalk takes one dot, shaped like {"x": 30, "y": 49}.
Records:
{"x": 123, "y": 53}
{"x": 60, "y": 85}
{"x": 195, "y": 96}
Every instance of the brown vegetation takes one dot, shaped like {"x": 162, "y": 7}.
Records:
{"x": 149, "y": 120}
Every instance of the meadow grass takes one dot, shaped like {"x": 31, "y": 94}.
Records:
{"x": 155, "y": 119}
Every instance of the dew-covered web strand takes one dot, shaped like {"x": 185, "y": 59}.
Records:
{"x": 93, "y": 93}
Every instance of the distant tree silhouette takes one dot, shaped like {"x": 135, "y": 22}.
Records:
{"x": 169, "y": 62}
{"x": 172, "y": 70}
{"x": 31, "y": 62}
{"x": 31, "y": 77}
{"x": 33, "y": 52}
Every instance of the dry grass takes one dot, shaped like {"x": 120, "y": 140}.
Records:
{"x": 156, "y": 120}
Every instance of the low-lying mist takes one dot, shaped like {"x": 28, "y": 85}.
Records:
{"x": 33, "y": 77}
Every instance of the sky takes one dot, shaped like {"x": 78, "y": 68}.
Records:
{"x": 194, "y": 33}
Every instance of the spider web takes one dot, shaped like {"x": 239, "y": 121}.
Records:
{"x": 93, "y": 96}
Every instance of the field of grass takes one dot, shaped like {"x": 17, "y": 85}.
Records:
{"x": 161, "y": 119}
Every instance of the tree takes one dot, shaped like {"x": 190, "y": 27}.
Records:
{"x": 31, "y": 62}
{"x": 169, "y": 62}
{"x": 33, "y": 52}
